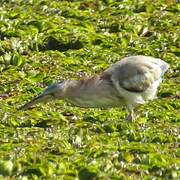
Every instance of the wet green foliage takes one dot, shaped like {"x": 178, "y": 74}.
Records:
{"x": 43, "y": 41}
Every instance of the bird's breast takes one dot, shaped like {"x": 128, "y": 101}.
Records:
{"x": 96, "y": 102}
{"x": 96, "y": 92}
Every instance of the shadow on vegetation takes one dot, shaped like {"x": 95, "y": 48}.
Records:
{"x": 84, "y": 173}
{"x": 51, "y": 43}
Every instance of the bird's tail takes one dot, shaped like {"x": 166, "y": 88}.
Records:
{"x": 164, "y": 66}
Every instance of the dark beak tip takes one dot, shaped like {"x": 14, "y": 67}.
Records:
{"x": 22, "y": 108}
{"x": 34, "y": 101}
{"x": 39, "y": 98}
{"x": 25, "y": 106}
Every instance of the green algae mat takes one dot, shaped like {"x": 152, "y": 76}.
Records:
{"x": 42, "y": 42}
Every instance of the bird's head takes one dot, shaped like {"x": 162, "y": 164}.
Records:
{"x": 54, "y": 91}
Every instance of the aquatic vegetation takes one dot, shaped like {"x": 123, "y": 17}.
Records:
{"x": 44, "y": 41}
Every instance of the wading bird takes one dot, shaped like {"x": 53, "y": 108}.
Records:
{"x": 129, "y": 82}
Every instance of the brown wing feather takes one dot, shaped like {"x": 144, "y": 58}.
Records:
{"x": 133, "y": 76}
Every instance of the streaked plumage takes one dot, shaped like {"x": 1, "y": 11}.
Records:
{"x": 129, "y": 82}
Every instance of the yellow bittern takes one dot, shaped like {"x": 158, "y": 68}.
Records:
{"x": 129, "y": 82}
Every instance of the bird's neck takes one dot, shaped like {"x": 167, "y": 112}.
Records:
{"x": 92, "y": 92}
{"x": 75, "y": 88}
{"x": 89, "y": 87}
{"x": 70, "y": 88}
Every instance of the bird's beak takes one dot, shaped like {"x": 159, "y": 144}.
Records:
{"x": 41, "y": 98}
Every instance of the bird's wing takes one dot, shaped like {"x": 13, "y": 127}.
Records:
{"x": 135, "y": 75}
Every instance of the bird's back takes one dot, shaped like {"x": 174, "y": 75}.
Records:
{"x": 137, "y": 77}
